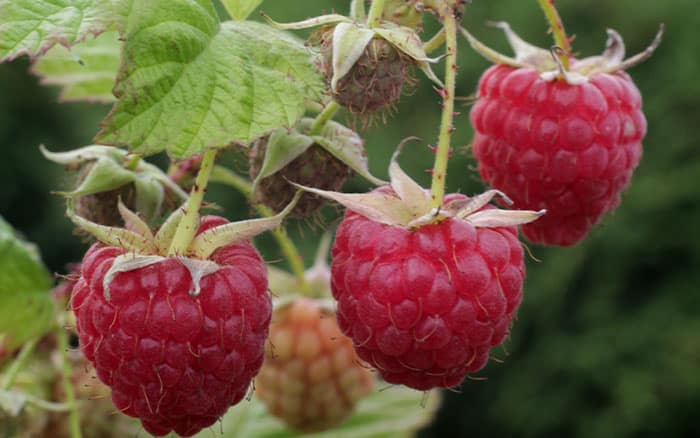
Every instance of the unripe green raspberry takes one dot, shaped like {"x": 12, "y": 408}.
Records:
{"x": 311, "y": 377}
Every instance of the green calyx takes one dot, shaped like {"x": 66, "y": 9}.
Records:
{"x": 351, "y": 38}
{"x": 109, "y": 174}
{"x": 324, "y": 160}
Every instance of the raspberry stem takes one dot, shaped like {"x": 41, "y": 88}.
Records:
{"x": 323, "y": 117}
{"x": 74, "y": 420}
{"x": 357, "y": 10}
{"x": 435, "y": 42}
{"x": 18, "y": 363}
{"x": 189, "y": 224}
{"x": 437, "y": 188}
{"x": 291, "y": 253}
{"x": 557, "y": 26}
{"x": 134, "y": 161}
{"x": 375, "y": 13}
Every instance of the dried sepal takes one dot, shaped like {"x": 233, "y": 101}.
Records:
{"x": 548, "y": 62}
{"x": 503, "y": 218}
{"x": 119, "y": 237}
{"x": 204, "y": 245}
{"x": 349, "y": 43}
{"x": 406, "y": 204}
{"x": 525, "y": 53}
{"x": 464, "y": 207}
{"x": 382, "y": 207}
{"x": 407, "y": 41}
{"x": 127, "y": 262}
{"x": 133, "y": 222}
{"x": 416, "y": 198}
{"x": 345, "y": 145}
{"x": 323, "y": 20}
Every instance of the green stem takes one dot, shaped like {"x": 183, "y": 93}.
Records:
{"x": 323, "y": 117}
{"x": 286, "y": 244}
{"x": 437, "y": 189}
{"x": 134, "y": 161}
{"x": 375, "y": 13}
{"x": 357, "y": 10}
{"x": 18, "y": 363}
{"x": 187, "y": 228}
{"x": 435, "y": 42}
{"x": 67, "y": 384}
{"x": 560, "y": 38}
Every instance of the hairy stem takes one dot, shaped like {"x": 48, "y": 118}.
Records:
{"x": 286, "y": 244}
{"x": 557, "y": 26}
{"x": 375, "y": 13}
{"x": 187, "y": 228}
{"x": 323, "y": 117}
{"x": 74, "y": 420}
{"x": 18, "y": 363}
{"x": 437, "y": 188}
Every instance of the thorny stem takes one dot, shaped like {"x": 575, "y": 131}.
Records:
{"x": 190, "y": 221}
{"x": 289, "y": 249}
{"x": 437, "y": 188}
{"x": 560, "y": 38}
{"x": 323, "y": 117}
{"x": 18, "y": 363}
{"x": 375, "y": 13}
{"x": 435, "y": 42}
{"x": 67, "y": 384}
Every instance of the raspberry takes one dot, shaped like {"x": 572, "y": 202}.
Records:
{"x": 315, "y": 167}
{"x": 174, "y": 360}
{"x": 425, "y": 306}
{"x": 570, "y": 149}
{"x": 311, "y": 377}
{"x": 376, "y": 80}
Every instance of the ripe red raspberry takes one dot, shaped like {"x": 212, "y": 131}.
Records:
{"x": 570, "y": 149}
{"x": 425, "y": 306}
{"x": 311, "y": 377}
{"x": 174, "y": 360}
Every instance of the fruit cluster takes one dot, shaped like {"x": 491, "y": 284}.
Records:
{"x": 425, "y": 285}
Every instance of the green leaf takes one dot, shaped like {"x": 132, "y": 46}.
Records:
{"x": 85, "y": 72}
{"x": 240, "y": 9}
{"x": 26, "y": 306}
{"x": 31, "y": 27}
{"x": 393, "y": 412}
{"x": 190, "y": 83}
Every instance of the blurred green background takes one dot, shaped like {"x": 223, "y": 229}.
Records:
{"x": 607, "y": 341}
